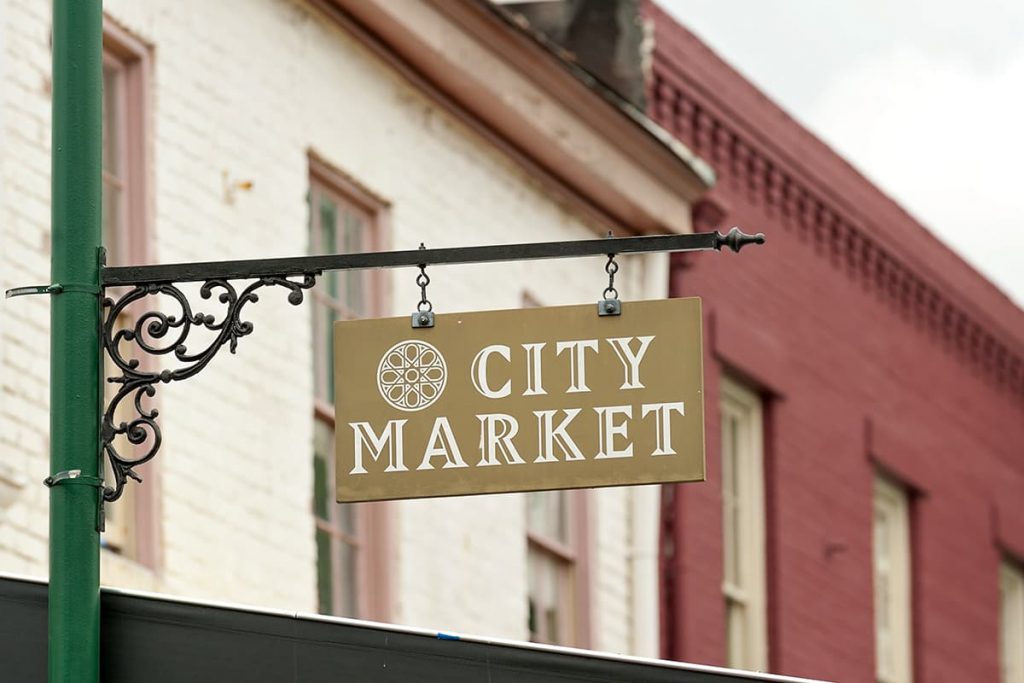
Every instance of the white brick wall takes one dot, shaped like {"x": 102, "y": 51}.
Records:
{"x": 247, "y": 87}
{"x": 24, "y": 324}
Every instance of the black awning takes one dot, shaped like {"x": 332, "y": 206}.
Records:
{"x": 152, "y": 639}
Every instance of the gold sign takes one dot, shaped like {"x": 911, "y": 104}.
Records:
{"x": 520, "y": 400}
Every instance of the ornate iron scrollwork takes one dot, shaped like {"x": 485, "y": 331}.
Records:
{"x": 155, "y": 333}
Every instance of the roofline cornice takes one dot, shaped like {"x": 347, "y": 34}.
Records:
{"x": 500, "y": 81}
{"x": 822, "y": 216}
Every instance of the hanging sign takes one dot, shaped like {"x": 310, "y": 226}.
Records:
{"x": 519, "y": 400}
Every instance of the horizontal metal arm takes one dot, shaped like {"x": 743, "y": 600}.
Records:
{"x": 152, "y": 330}
{"x": 299, "y": 265}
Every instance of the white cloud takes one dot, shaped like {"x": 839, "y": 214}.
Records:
{"x": 925, "y": 97}
{"x": 944, "y": 138}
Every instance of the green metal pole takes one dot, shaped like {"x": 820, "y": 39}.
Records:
{"x": 74, "y": 607}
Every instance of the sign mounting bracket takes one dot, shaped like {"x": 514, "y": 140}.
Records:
{"x": 155, "y": 333}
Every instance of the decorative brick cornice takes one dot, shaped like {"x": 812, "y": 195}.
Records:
{"x": 784, "y": 193}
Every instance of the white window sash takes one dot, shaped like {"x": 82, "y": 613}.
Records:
{"x": 1011, "y": 622}
{"x": 748, "y": 589}
{"x": 891, "y": 574}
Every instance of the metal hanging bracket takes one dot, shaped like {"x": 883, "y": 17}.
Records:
{"x": 423, "y": 319}
{"x": 116, "y": 276}
{"x": 423, "y": 316}
{"x": 156, "y": 333}
{"x": 609, "y": 307}
{"x": 610, "y": 304}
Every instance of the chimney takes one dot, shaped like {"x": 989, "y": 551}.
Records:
{"x": 604, "y": 37}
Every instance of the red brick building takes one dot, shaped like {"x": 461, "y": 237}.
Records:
{"x": 865, "y": 415}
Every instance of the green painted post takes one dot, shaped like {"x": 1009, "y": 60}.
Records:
{"x": 74, "y": 607}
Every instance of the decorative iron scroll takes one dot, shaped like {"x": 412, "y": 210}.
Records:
{"x": 155, "y": 333}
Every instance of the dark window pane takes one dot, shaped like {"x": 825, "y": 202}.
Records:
{"x": 531, "y": 619}
{"x": 318, "y": 354}
{"x": 328, "y": 350}
{"x": 354, "y": 227}
{"x": 349, "y": 580}
{"x": 329, "y": 241}
{"x": 320, "y": 488}
{"x": 323, "y": 451}
{"x": 335, "y": 229}
{"x": 324, "y": 573}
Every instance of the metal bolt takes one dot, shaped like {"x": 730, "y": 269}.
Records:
{"x": 609, "y": 306}
{"x": 423, "y": 319}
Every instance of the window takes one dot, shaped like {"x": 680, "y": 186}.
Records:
{"x": 350, "y": 539}
{"x": 891, "y": 550}
{"x": 743, "y": 584}
{"x": 125, "y": 145}
{"x": 1011, "y": 622}
{"x": 130, "y": 522}
{"x": 556, "y": 567}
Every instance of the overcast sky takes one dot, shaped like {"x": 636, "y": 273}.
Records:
{"x": 925, "y": 97}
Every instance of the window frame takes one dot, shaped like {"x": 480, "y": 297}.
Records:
{"x": 372, "y": 520}
{"x": 749, "y": 590}
{"x": 135, "y": 532}
{"x": 133, "y": 59}
{"x": 891, "y": 500}
{"x": 572, "y": 558}
{"x": 573, "y": 555}
{"x": 1011, "y": 620}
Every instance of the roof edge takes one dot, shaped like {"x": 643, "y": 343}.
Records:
{"x": 687, "y": 156}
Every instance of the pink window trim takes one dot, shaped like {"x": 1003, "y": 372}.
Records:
{"x": 582, "y": 539}
{"x": 375, "y": 523}
{"x": 375, "y": 520}
{"x": 342, "y": 185}
{"x": 132, "y": 57}
{"x": 576, "y": 554}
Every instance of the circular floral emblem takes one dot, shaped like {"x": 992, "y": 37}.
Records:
{"x": 411, "y": 375}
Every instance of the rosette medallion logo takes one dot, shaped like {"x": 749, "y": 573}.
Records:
{"x": 411, "y": 375}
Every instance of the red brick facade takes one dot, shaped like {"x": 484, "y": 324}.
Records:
{"x": 875, "y": 348}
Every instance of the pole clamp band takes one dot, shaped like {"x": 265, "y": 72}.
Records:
{"x": 52, "y": 289}
{"x": 72, "y": 477}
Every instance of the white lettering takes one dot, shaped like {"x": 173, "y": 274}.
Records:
{"x": 479, "y": 371}
{"x": 534, "y": 385}
{"x": 608, "y": 430}
{"x": 390, "y": 438}
{"x": 577, "y": 362}
{"x": 662, "y": 424}
{"x": 442, "y": 442}
{"x": 495, "y": 439}
{"x": 630, "y": 361}
{"x": 549, "y": 436}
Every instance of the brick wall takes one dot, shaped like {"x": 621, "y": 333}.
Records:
{"x": 248, "y": 88}
{"x": 874, "y": 346}
{"x": 24, "y": 325}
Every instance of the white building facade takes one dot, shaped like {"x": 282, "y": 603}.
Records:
{"x": 259, "y": 128}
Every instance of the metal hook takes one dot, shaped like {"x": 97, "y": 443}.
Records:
{"x": 423, "y": 316}
{"x": 610, "y": 304}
